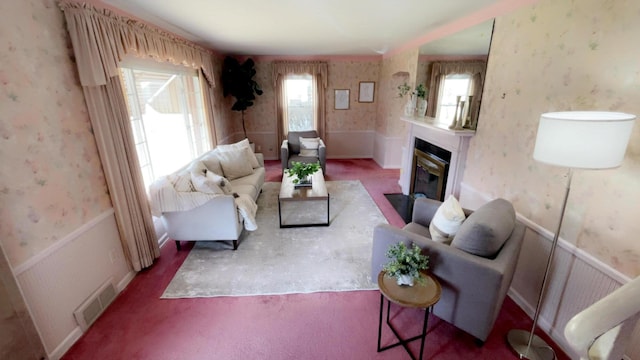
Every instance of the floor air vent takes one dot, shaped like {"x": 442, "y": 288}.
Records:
{"x": 91, "y": 308}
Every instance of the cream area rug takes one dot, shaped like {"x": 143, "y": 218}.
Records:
{"x": 271, "y": 260}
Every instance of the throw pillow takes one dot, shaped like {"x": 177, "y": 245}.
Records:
{"x": 221, "y": 181}
{"x": 309, "y": 146}
{"x": 236, "y": 164}
{"x": 239, "y": 146}
{"x": 485, "y": 231}
{"x": 446, "y": 221}
{"x": 197, "y": 167}
{"x": 235, "y": 146}
{"x": 205, "y": 184}
{"x": 212, "y": 163}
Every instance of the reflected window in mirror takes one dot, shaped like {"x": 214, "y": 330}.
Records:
{"x": 455, "y": 87}
{"x": 469, "y": 90}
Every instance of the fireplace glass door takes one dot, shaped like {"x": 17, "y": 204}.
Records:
{"x": 429, "y": 175}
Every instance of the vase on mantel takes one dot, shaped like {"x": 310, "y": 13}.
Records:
{"x": 410, "y": 106}
{"x": 422, "y": 107}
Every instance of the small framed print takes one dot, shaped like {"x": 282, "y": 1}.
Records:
{"x": 367, "y": 89}
{"x": 341, "y": 99}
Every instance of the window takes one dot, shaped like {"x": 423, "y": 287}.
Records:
{"x": 300, "y": 107}
{"x": 454, "y": 85}
{"x": 167, "y": 118}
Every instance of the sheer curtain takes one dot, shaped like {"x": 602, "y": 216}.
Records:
{"x": 439, "y": 70}
{"x": 318, "y": 71}
{"x": 100, "y": 41}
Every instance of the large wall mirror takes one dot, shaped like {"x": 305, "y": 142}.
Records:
{"x": 453, "y": 70}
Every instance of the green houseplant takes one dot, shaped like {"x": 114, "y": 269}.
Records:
{"x": 302, "y": 171}
{"x": 421, "y": 91}
{"x": 237, "y": 81}
{"x": 403, "y": 89}
{"x": 406, "y": 263}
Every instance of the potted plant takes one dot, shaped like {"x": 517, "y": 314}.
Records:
{"x": 410, "y": 106}
{"x": 421, "y": 93}
{"x": 403, "y": 90}
{"x": 406, "y": 263}
{"x": 237, "y": 81}
{"x": 302, "y": 172}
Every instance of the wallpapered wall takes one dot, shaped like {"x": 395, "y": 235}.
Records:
{"x": 555, "y": 56}
{"x": 343, "y": 74}
{"x": 51, "y": 180}
{"x": 395, "y": 71}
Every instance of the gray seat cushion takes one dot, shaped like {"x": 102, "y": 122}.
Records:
{"x": 485, "y": 231}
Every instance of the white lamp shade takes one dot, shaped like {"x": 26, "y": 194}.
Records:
{"x": 583, "y": 139}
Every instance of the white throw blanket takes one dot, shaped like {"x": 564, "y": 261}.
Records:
{"x": 165, "y": 198}
{"x": 247, "y": 209}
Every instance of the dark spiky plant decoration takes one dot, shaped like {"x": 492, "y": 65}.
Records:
{"x": 237, "y": 81}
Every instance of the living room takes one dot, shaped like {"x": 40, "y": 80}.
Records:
{"x": 59, "y": 233}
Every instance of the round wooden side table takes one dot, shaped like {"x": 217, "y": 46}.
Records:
{"x": 423, "y": 294}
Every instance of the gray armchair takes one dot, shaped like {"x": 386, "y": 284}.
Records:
{"x": 290, "y": 150}
{"x": 473, "y": 287}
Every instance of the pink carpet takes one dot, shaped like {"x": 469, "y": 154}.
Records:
{"x": 342, "y": 325}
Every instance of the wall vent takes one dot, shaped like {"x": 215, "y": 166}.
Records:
{"x": 89, "y": 311}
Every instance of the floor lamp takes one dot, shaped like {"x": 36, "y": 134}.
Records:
{"x": 575, "y": 140}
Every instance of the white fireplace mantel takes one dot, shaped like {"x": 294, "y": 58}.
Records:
{"x": 429, "y": 130}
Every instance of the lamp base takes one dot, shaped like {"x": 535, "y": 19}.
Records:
{"x": 540, "y": 350}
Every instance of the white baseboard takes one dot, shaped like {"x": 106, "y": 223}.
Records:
{"x": 66, "y": 344}
{"x": 163, "y": 240}
{"x": 122, "y": 284}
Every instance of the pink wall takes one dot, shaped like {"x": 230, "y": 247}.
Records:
{"x": 51, "y": 176}
{"x": 395, "y": 71}
{"x": 344, "y": 73}
{"x": 554, "y": 56}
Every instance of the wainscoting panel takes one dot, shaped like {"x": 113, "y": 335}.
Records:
{"x": 265, "y": 143}
{"x": 387, "y": 151}
{"x": 56, "y": 281}
{"x": 340, "y": 144}
{"x": 577, "y": 281}
{"x": 350, "y": 144}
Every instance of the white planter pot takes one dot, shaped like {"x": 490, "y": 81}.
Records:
{"x": 405, "y": 280}
{"x": 410, "y": 106}
{"x": 422, "y": 107}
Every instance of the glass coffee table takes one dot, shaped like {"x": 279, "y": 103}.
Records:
{"x": 301, "y": 202}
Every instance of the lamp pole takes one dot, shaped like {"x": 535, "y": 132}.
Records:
{"x": 517, "y": 338}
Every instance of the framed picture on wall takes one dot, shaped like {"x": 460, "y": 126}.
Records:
{"x": 341, "y": 99}
{"x": 367, "y": 89}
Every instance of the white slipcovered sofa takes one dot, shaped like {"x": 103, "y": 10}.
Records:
{"x": 213, "y": 197}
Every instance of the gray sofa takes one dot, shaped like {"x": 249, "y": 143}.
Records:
{"x": 473, "y": 287}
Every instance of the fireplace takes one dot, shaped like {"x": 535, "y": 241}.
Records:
{"x": 442, "y": 169}
{"x": 429, "y": 170}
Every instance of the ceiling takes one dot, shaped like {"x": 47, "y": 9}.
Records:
{"x": 309, "y": 27}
